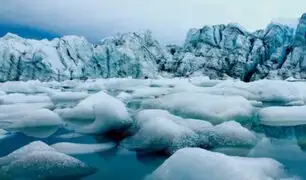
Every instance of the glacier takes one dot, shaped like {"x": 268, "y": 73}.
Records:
{"x": 219, "y": 51}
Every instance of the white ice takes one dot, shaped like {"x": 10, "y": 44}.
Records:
{"x": 283, "y": 116}
{"x": 100, "y": 113}
{"x": 40, "y": 123}
{"x": 200, "y": 164}
{"x": 75, "y": 148}
{"x": 24, "y": 162}
{"x": 213, "y": 108}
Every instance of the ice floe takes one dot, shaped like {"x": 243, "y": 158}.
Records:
{"x": 200, "y": 164}
{"x": 75, "y": 148}
{"x": 158, "y": 130}
{"x": 99, "y": 113}
{"x": 282, "y": 116}
{"x": 213, "y": 108}
{"x": 40, "y": 123}
{"x": 37, "y": 160}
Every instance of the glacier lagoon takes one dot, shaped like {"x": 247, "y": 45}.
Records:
{"x": 124, "y": 128}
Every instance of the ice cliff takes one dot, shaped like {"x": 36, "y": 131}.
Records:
{"x": 219, "y": 51}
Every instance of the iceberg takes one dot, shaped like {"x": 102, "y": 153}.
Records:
{"x": 99, "y": 113}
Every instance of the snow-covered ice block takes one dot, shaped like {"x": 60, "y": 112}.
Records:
{"x": 268, "y": 91}
{"x": 22, "y": 98}
{"x": 157, "y": 131}
{"x": 213, "y": 108}
{"x": 200, "y": 164}
{"x": 40, "y": 123}
{"x": 99, "y": 113}
{"x": 61, "y": 97}
{"x": 74, "y": 148}
{"x": 232, "y": 134}
{"x": 282, "y": 116}
{"x": 24, "y": 162}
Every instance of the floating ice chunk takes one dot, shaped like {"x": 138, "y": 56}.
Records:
{"x": 149, "y": 92}
{"x": 268, "y": 91}
{"x": 125, "y": 97}
{"x": 32, "y": 147}
{"x": 22, "y": 98}
{"x": 37, "y": 160}
{"x": 9, "y": 108}
{"x": 200, "y": 164}
{"x": 73, "y": 148}
{"x": 101, "y": 112}
{"x": 283, "y": 116}
{"x": 196, "y": 125}
{"x": 157, "y": 131}
{"x": 29, "y": 87}
{"x": 232, "y": 134}
{"x": 214, "y": 108}
{"x": 60, "y": 97}
{"x": 40, "y": 123}
{"x": 69, "y": 135}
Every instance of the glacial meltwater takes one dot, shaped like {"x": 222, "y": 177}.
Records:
{"x": 165, "y": 129}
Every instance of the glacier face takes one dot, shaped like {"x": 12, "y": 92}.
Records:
{"x": 219, "y": 51}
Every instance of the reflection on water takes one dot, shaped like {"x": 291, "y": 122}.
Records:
{"x": 115, "y": 164}
{"x": 120, "y": 164}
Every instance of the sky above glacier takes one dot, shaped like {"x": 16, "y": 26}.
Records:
{"x": 169, "y": 20}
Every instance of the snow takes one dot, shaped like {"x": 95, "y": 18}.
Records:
{"x": 213, "y": 108}
{"x": 101, "y": 112}
{"x": 23, "y": 163}
{"x": 283, "y": 116}
{"x": 198, "y": 164}
{"x": 40, "y": 123}
{"x": 75, "y": 149}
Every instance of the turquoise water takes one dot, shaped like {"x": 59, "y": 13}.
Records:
{"x": 115, "y": 164}
{"x": 121, "y": 164}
